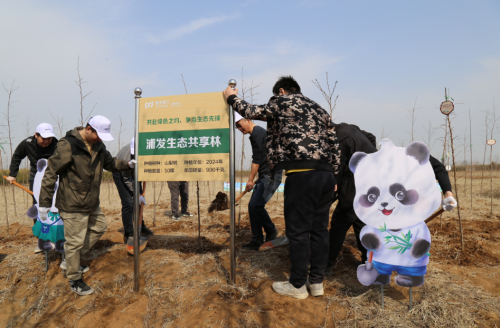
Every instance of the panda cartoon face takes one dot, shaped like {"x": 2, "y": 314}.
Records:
{"x": 395, "y": 187}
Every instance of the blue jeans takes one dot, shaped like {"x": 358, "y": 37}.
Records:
{"x": 263, "y": 190}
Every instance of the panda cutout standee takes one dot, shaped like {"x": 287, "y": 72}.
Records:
{"x": 396, "y": 192}
{"x": 49, "y": 230}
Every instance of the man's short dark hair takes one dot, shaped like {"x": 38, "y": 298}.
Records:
{"x": 286, "y": 83}
{"x": 93, "y": 130}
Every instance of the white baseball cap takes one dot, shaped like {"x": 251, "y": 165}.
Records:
{"x": 45, "y": 130}
{"x": 103, "y": 127}
{"x": 237, "y": 117}
{"x": 132, "y": 146}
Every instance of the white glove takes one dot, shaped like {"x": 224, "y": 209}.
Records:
{"x": 449, "y": 203}
{"x": 142, "y": 200}
{"x": 43, "y": 212}
{"x": 132, "y": 163}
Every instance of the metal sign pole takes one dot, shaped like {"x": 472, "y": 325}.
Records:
{"x": 232, "y": 277}
{"x": 137, "y": 233}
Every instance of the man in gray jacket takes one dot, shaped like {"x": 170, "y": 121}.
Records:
{"x": 124, "y": 182}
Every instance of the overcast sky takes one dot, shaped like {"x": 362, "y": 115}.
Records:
{"x": 385, "y": 55}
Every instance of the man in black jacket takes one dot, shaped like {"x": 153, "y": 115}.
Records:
{"x": 353, "y": 139}
{"x": 42, "y": 145}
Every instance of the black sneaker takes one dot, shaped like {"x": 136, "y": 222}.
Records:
{"x": 187, "y": 214}
{"x": 253, "y": 245}
{"x": 80, "y": 287}
{"x": 176, "y": 218}
{"x": 145, "y": 231}
{"x": 272, "y": 235}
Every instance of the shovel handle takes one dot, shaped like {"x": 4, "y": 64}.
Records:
{"x": 239, "y": 197}
{"x": 433, "y": 216}
{"x": 18, "y": 185}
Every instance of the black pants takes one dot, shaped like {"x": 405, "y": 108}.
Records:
{"x": 178, "y": 188}
{"x": 34, "y": 200}
{"x": 308, "y": 197}
{"x": 31, "y": 188}
{"x": 126, "y": 196}
{"x": 342, "y": 219}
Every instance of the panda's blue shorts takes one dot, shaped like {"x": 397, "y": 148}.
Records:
{"x": 386, "y": 269}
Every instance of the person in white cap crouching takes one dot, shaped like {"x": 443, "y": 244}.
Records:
{"x": 41, "y": 145}
{"x": 79, "y": 160}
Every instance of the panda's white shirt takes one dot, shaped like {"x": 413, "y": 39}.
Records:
{"x": 391, "y": 256}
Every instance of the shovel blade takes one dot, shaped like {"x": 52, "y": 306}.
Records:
{"x": 278, "y": 242}
{"x": 130, "y": 244}
{"x": 366, "y": 277}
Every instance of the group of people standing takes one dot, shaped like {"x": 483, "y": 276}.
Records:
{"x": 77, "y": 162}
{"x": 301, "y": 140}
{"x": 314, "y": 152}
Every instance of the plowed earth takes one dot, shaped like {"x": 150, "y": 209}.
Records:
{"x": 184, "y": 280}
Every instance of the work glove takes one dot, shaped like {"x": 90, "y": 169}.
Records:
{"x": 132, "y": 163}
{"x": 142, "y": 200}
{"x": 449, "y": 203}
{"x": 43, "y": 212}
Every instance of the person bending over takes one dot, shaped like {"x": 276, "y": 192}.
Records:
{"x": 124, "y": 182}
{"x": 263, "y": 189}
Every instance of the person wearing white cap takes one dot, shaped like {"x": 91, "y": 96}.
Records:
{"x": 124, "y": 182}
{"x": 263, "y": 189}
{"x": 41, "y": 145}
{"x": 79, "y": 160}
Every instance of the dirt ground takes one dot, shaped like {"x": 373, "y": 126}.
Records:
{"x": 184, "y": 280}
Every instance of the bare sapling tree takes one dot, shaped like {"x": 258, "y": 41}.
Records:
{"x": 197, "y": 182}
{"x": 471, "y": 165}
{"x": 328, "y": 94}
{"x": 156, "y": 200}
{"x": 412, "y": 117}
{"x": 120, "y": 131}
{"x": 401, "y": 142}
{"x": 4, "y": 184}
{"x": 431, "y": 131}
{"x": 493, "y": 124}
{"x": 247, "y": 91}
{"x": 445, "y": 141}
{"x": 83, "y": 95}
{"x": 27, "y": 125}
{"x": 465, "y": 162}
{"x": 8, "y": 126}
{"x": 486, "y": 133}
{"x": 59, "y": 123}
{"x": 455, "y": 177}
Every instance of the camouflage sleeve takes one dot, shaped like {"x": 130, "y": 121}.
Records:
{"x": 334, "y": 147}
{"x": 255, "y": 112}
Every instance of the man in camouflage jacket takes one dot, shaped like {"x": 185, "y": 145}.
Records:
{"x": 302, "y": 141}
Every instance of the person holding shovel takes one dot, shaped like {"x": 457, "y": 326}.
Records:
{"x": 124, "y": 182}
{"x": 263, "y": 189}
{"x": 300, "y": 140}
{"x": 79, "y": 160}
{"x": 41, "y": 145}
